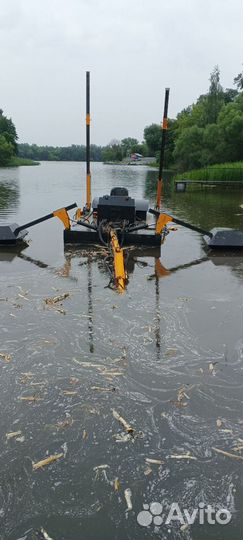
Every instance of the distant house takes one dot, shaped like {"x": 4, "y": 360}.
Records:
{"x": 136, "y": 156}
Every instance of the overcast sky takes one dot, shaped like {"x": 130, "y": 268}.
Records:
{"x": 133, "y": 49}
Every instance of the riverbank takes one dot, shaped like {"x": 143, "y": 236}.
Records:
{"x": 18, "y": 162}
{"x": 222, "y": 172}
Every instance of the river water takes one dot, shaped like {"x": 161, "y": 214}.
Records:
{"x": 166, "y": 355}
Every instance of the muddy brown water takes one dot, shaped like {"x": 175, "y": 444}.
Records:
{"x": 180, "y": 335}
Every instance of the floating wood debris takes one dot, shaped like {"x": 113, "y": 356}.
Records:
{"x": 103, "y": 389}
{"x": 13, "y": 434}
{"x": 45, "y": 535}
{"x": 182, "y": 456}
{"x": 227, "y": 454}
{"x": 5, "y": 357}
{"x": 123, "y": 437}
{"x": 100, "y": 471}
{"x": 117, "y": 484}
{"x": 122, "y": 421}
{"x": 65, "y": 423}
{"x": 56, "y": 299}
{"x": 101, "y": 467}
{"x": 26, "y": 377}
{"x": 237, "y": 448}
{"x": 128, "y": 497}
{"x": 211, "y": 368}
{"x": 69, "y": 392}
{"x": 153, "y": 461}
{"x": 30, "y": 398}
{"x": 47, "y": 461}
{"x": 184, "y": 527}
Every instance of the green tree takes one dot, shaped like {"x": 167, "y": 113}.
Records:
{"x": 230, "y": 124}
{"x": 152, "y": 137}
{"x": 8, "y": 130}
{"x": 188, "y": 148}
{"x": 6, "y": 151}
{"x": 238, "y": 81}
{"x": 215, "y": 98}
{"x": 128, "y": 146}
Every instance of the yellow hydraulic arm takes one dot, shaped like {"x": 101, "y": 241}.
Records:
{"x": 119, "y": 268}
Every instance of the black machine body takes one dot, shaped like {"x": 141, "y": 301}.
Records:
{"x": 119, "y": 206}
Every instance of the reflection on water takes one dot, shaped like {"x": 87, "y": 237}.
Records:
{"x": 207, "y": 207}
{"x": 175, "y": 333}
{"x": 9, "y": 192}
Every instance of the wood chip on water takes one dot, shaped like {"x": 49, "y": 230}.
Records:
{"x": 24, "y": 297}
{"x": 65, "y": 423}
{"x": 128, "y": 497}
{"x": 74, "y": 380}
{"x": 211, "y": 368}
{"x": 13, "y": 434}
{"x": 30, "y": 398}
{"x": 56, "y": 299}
{"x": 122, "y": 421}
{"x": 123, "y": 437}
{"x": 237, "y": 448}
{"x": 69, "y": 392}
{"x": 85, "y": 434}
{"x": 154, "y": 461}
{"x": 45, "y": 535}
{"x": 6, "y": 357}
{"x": 219, "y": 423}
{"x": 102, "y": 389}
{"x": 182, "y": 456}
{"x": 98, "y": 467}
{"x": 147, "y": 471}
{"x": 227, "y": 454}
{"x": 184, "y": 527}
{"x": 117, "y": 484}
{"x": 59, "y": 310}
{"x": 47, "y": 461}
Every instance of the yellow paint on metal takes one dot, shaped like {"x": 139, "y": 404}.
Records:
{"x": 159, "y": 191}
{"x": 119, "y": 269}
{"x": 62, "y": 214}
{"x": 165, "y": 123}
{"x": 88, "y": 191}
{"x": 160, "y": 270}
{"x": 78, "y": 214}
{"x": 161, "y": 222}
{"x": 87, "y": 119}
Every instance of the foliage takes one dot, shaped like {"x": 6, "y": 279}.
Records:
{"x": 219, "y": 172}
{"x": 53, "y": 153}
{"x": 152, "y": 137}
{"x": 17, "y": 161}
{"x": 117, "y": 151}
{"x": 8, "y": 139}
{"x": 6, "y": 151}
{"x": 206, "y": 132}
{"x": 238, "y": 81}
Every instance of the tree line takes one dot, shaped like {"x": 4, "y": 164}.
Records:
{"x": 206, "y": 132}
{"x": 8, "y": 140}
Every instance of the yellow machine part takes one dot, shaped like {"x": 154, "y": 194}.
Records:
{"x": 62, "y": 214}
{"x": 162, "y": 220}
{"x": 119, "y": 269}
{"x": 78, "y": 214}
{"x": 88, "y": 191}
{"x": 160, "y": 270}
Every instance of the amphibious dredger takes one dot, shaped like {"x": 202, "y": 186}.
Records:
{"x": 117, "y": 219}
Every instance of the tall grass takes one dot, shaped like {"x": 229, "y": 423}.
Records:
{"x": 228, "y": 172}
{"x": 17, "y": 161}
